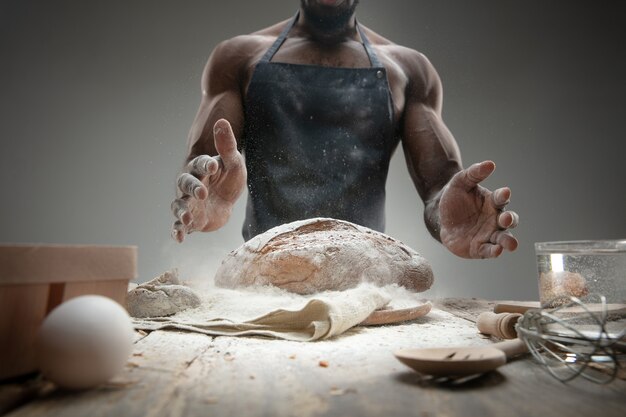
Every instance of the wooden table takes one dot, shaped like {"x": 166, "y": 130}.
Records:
{"x": 184, "y": 374}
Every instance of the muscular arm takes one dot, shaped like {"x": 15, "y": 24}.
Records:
{"x": 222, "y": 88}
{"x": 432, "y": 155}
{"x": 468, "y": 219}
{"x": 214, "y": 175}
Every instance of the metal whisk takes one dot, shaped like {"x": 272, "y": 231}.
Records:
{"x": 577, "y": 339}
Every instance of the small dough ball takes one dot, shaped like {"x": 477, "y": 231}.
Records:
{"x": 163, "y": 296}
{"x": 84, "y": 342}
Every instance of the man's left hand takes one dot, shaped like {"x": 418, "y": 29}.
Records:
{"x": 474, "y": 222}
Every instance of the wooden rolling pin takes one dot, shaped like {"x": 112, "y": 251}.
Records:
{"x": 500, "y": 325}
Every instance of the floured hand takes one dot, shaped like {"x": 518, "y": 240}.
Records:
{"x": 473, "y": 220}
{"x": 210, "y": 186}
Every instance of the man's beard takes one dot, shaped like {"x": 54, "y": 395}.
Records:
{"x": 326, "y": 22}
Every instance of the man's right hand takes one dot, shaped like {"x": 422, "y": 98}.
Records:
{"x": 210, "y": 186}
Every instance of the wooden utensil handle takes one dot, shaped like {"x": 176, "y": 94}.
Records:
{"x": 500, "y": 325}
{"x": 515, "y": 306}
{"x": 512, "y": 347}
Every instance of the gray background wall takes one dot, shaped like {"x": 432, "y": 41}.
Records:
{"x": 96, "y": 99}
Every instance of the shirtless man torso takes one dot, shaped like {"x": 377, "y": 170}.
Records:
{"x": 272, "y": 77}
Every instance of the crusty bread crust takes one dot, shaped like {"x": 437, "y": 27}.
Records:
{"x": 321, "y": 254}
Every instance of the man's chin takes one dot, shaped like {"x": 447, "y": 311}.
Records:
{"x": 326, "y": 3}
{"x": 326, "y": 6}
{"x": 329, "y": 3}
{"x": 328, "y": 15}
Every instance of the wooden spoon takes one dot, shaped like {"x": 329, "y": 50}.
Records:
{"x": 460, "y": 361}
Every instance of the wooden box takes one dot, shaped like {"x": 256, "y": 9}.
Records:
{"x": 36, "y": 278}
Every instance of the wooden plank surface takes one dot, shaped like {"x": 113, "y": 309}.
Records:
{"x": 183, "y": 374}
{"x": 466, "y": 308}
{"x": 144, "y": 389}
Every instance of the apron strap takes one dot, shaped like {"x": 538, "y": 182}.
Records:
{"x": 369, "y": 50}
{"x": 279, "y": 41}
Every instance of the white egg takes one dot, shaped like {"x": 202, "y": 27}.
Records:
{"x": 84, "y": 342}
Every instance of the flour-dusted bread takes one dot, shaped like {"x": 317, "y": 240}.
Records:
{"x": 320, "y": 254}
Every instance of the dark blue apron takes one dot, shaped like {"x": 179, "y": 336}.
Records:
{"x": 317, "y": 142}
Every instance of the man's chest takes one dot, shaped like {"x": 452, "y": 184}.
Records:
{"x": 350, "y": 54}
{"x": 345, "y": 55}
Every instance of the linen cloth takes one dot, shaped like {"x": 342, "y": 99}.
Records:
{"x": 278, "y": 314}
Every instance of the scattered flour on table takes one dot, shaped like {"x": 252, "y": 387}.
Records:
{"x": 436, "y": 329}
{"x": 250, "y": 302}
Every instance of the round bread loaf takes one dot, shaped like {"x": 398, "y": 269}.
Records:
{"x": 320, "y": 254}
